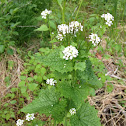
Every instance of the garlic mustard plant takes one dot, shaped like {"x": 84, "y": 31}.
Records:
{"x": 69, "y": 63}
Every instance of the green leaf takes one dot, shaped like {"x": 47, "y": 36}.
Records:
{"x": 85, "y": 116}
{"x": 23, "y": 89}
{"x": 32, "y": 86}
{"x": 80, "y": 66}
{"x": 10, "y": 51}
{"x": 109, "y": 88}
{"x": 47, "y": 103}
{"x": 60, "y": 3}
{"x": 14, "y": 89}
{"x": 52, "y": 24}
{"x": 88, "y": 76}
{"x": 23, "y": 78}
{"x": 42, "y": 71}
{"x": 30, "y": 79}
{"x": 43, "y": 103}
{"x": 21, "y": 84}
{"x": 2, "y": 47}
{"x": 42, "y": 28}
{"x": 78, "y": 94}
{"x": 53, "y": 41}
{"x": 44, "y": 50}
{"x": 38, "y": 79}
{"x": 7, "y": 116}
{"x": 54, "y": 61}
{"x": 13, "y": 101}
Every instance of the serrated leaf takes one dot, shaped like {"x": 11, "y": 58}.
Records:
{"x": 42, "y": 28}
{"x": 78, "y": 94}
{"x": 59, "y": 115}
{"x": 88, "y": 76}
{"x": 54, "y": 61}
{"x": 47, "y": 103}
{"x": 85, "y": 116}
{"x": 80, "y": 66}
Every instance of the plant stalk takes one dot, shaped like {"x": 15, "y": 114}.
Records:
{"x": 78, "y": 9}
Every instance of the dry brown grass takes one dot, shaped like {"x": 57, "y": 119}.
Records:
{"x": 13, "y": 73}
{"x": 109, "y": 105}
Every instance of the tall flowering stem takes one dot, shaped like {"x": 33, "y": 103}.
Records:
{"x": 63, "y": 12}
{"x": 78, "y": 9}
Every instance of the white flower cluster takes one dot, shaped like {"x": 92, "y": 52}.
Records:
{"x": 51, "y": 81}
{"x": 30, "y": 117}
{"x": 70, "y": 52}
{"x": 109, "y": 18}
{"x": 45, "y": 13}
{"x": 73, "y": 27}
{"x": 19, "y": 122}
{"x": 72, "y": 111}
{"x": 63, "y": 29}
{"x": 94, "y": 39}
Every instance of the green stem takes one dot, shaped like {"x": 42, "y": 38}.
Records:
{"x": 78, "y": 8}
{"x": 63, "y": 12}
{"x": 65, "y": 121}
{"x": 54, "y": 123}
{"x": 73, "y": 75}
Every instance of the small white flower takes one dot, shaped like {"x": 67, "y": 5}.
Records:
{"x": 74, "y": 27}
{"x": 59, "y": 37}
{"x": 109, "y": 18}
{"x": 62, "y": 29}
{"x": 51, "y": 81}
{"x": 19, "y": 122}
{"x": 30, "y": 117}
{"x": 72, "y": 111}
{"x": 109, "y": 23}
{"x": 70, "y": 52}
{"x": 94, "y": 39}
{"x": 45, "y": 13}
